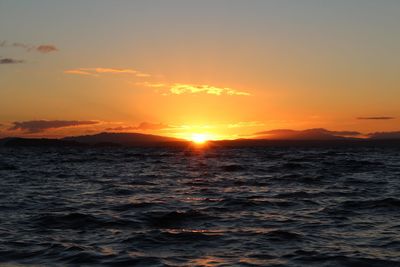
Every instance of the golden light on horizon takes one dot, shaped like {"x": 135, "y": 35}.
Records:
{"x": 199, "y": 138}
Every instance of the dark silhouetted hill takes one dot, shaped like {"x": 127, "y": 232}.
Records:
{"x": 385, "y": 136}
{"x": 126, "y": 139}
{"x": 310, "y": 137}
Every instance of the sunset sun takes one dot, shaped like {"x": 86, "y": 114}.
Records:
{"x": 199, "y": 138}
{"x": 199, "y": 133}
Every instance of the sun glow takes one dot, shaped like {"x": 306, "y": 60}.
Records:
{"x": 199, "y": 138}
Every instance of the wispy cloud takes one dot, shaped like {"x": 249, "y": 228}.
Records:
{"x": 42, "y": 48}
{"x": 376, "y": 118}
{"x": 316, "y": 133}
{"x": 97, "y": 71}
{"x": 144, "y": 126}
{"x": 179, "y": 88}
{"x": 38, "y": 126}
{"x": 183, "y": 88}
{"x": 10, "y": 61}
{"x": 79, "y": 72}
{"x": 245, "y": 124}
{"x": 46, "y": 49}
{"x": 152, "y": 84}
{"x": 315, "y": 130}
{"x": 170, "y": 88}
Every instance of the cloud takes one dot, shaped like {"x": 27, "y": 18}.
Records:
{"x": 179, "y": 88}
{"x": 341, "y": 133}
{"x": 38, "y": 126}
{"x": 152, "y": 85}
{"x": 151, "y": 126}
{"x": 97, "y": 71}
{"x": 46, "y": 49}
{"x": 309, "y": 134}
{"x": 384, "y": 135}
{"x": 144, "y": 126}
{"x": 43, "y": 48}
{"x": 182, "y": 88}
{"x": 79, "y": 72}
{"x": 174, "y": 88}
{"x": 277, "y": 131}
{"x": 376, "y": 118}
{"x": 10, "y": 61}
{"x": 121, "y": 128}
{"x": 110, "y": 70}
{"x": 319, "y": 130}
{"x": 243, "y": 124}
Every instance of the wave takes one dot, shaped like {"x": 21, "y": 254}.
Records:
{"x": 175, "y": 218}
{"x": 233, "y": 168}
{"x": 78, "y": 221}
{"x": 282, "y": 235}
{"x": 7, "y": 167}
{"x": 383, "y": 203}
{"x": 345, "y": 261}
{"x": 301, "y": 195}
{"x": 219, "y": 207}
{"x": 253, "y": 202}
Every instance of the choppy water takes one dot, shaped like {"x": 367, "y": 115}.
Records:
{"x": 215, "y": 207}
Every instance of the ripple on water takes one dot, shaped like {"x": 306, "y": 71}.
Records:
{"x": 216, "y": 207}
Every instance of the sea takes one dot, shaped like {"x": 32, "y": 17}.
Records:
{"x": 200, "y": 206}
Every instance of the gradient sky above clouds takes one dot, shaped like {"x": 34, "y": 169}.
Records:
{"x": 226, "y": 67}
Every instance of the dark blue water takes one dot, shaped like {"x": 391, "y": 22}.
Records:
{"x": 187, "y": 207}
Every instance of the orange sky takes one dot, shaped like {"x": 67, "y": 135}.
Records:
{"x": 226, "y": 69}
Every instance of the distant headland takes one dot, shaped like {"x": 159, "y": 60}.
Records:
{"x": 285, "y": 138}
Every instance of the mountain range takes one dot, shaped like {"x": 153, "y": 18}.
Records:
{"x": 280, "y": 136}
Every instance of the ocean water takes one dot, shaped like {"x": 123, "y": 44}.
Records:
{"x": 265, "y": 206}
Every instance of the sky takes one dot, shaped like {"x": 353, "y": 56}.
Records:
{"x": 223, "y": 68}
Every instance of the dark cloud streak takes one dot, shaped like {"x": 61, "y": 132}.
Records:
{"x": 309, "y": 134}
{"x": 144, "y": 126}
{"x": 10, "y": 61}
{"x": 316, "y": 130}
{"x": 43, "y": 48}
{"x": 38, "y": 126}
{"x": 376, "y": 118}
{"x": 46, "y": 49}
